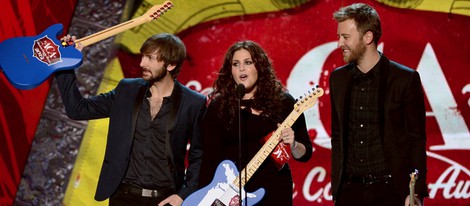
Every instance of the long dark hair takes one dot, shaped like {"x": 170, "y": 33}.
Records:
{"x": 269, "y": 93}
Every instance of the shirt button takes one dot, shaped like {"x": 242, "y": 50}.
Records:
{"x": 362, "y": 142}
{"x": 361, "y": 125}
{"x": 362, "y": 89}
{"x": 361, "y": 108}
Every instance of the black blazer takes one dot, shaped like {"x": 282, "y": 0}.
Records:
{"x": 122, "y": 105}
{"x": 401, "y": 121}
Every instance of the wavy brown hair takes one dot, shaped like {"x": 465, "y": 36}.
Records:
{"x": 171, "y": 50}
{"x": 269, "y": 93}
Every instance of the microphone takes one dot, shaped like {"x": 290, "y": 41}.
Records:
{"x": 240, "y": 90}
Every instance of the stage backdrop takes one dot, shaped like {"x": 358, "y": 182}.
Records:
{"x": 300, "y": 38}
{"x": 20, "y": 110}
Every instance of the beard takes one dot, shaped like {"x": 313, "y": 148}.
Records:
{"x": 159, "y": 75}
{"x": 356, "y": 54}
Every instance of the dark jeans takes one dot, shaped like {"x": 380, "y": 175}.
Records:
{"x": 383, "y": 193}
{"x": 126, "y": 196}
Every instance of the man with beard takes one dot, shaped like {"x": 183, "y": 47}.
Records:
{"x": 378, "y": 132}
{"x": 151, "y": 121}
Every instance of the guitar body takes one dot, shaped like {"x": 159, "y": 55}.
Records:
{"x": 29, "y": 61}
{"x": 222, "y": 191}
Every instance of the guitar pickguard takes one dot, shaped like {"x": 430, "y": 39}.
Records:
{"x": 221, "y": 191}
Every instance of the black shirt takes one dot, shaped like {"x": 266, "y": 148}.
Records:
{"x": 365, "y": 151}
{"x": 148, "y": 166}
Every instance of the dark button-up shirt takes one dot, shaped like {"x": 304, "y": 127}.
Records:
{"x": 148, "y": 166}
{"x": 365, "y": 151}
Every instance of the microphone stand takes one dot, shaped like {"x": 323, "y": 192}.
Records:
{"x": 240, "y": 94}
{"x": 239, "y": 152}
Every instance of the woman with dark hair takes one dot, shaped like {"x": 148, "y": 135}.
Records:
{"x": 264, "y": 105}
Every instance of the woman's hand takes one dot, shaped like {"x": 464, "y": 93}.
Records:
{"x": 288, "y": 137}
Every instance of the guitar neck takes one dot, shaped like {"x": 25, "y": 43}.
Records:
{"x": 153, "y": 13}
{"x": 266, "y": 150}
{"x": 414, "y": 177}
{"x": 96, "y": 37}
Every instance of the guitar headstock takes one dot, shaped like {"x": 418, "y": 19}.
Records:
{"x": 158, "y": 10}
{"x": 413, "y": 178}
{"x": 308, "y": 100}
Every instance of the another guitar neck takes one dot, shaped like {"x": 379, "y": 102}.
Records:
{"x": 266, "y": 150}
{"x": 96, "y": 37}
{"x": 413, "y": 178}
{"x": 153, "y": 13}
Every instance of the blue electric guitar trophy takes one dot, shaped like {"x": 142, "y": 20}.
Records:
{"x": 29, "y": 61}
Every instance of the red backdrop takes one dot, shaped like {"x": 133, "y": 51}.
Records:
{"x": 20, "y": 110}
{"x": 301, "y": 43}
